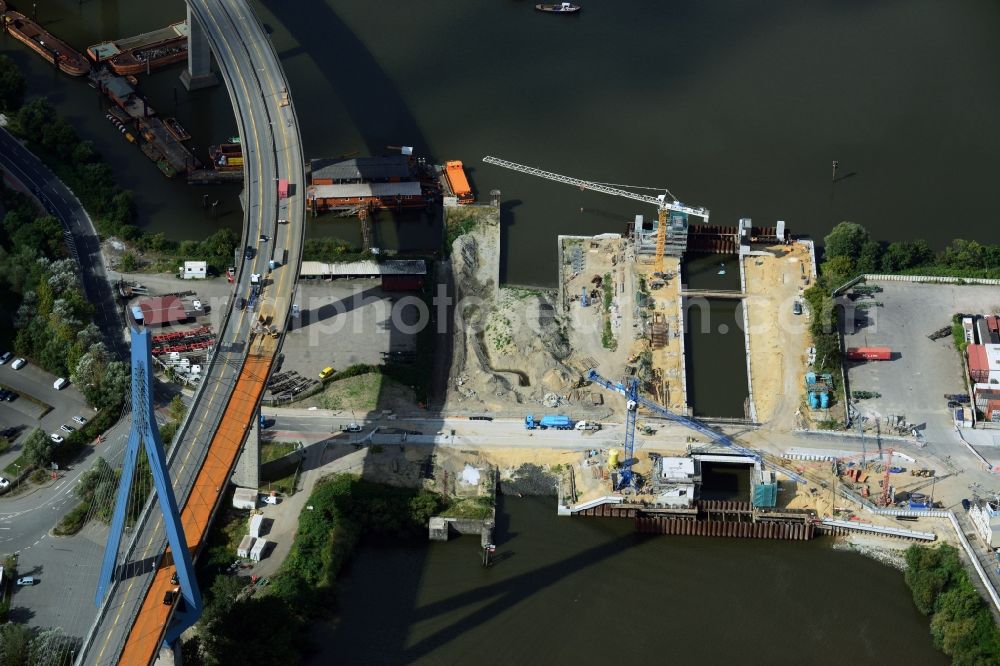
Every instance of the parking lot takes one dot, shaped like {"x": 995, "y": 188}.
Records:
{"x": 36, "y": 396}
{"x": 345, "y": 322}
{"x": 922, "y": 370}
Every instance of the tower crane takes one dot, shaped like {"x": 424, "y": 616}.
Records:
{"x": 630, "y": 390}
{"x": 664, "y": 203}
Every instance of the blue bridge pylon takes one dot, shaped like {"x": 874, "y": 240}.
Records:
{"x": 145, "y": 431}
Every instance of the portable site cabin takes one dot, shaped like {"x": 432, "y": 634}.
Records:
{"x": 256, "y": 526}
{"x": 257, "y": 552}
{"x": 246, "y": 545}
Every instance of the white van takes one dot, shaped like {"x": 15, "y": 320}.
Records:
{"x": 60, "y": 383}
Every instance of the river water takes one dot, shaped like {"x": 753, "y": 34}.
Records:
{"x": 736, "y": 105}
{"x": 589, "y": 591}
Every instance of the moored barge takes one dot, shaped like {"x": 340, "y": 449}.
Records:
{"x": 32, "y": 35}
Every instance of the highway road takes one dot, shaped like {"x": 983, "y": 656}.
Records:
{"x": 272, "y": 150}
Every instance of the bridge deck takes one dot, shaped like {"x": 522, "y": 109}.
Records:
{"x": 212, "y": 480}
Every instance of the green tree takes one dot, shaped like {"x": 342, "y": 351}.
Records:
{"x": 231, "y": 643}
{"x": 37, "y": 449}
{"x": 847, "y": 239}
{"x": 15, "y": 644}
{"x": 839, "y": 270}
{"x": 870, "y": 257}
{"x": 177, "y": 408}
{"x": 12, "y": 85}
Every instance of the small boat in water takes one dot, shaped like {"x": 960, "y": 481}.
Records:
{"x": 558, "y": 8}
{"x": 722, "y": 269}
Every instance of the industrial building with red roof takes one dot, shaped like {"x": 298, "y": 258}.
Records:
{"x": 162, "y": 310}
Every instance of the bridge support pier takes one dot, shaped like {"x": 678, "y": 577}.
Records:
{"x": 247, "y": 474}
{"x": 198, "y": 73}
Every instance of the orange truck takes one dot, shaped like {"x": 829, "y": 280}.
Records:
{"x": 455, "y": 173}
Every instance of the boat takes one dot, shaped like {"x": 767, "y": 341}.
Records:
{"x": 722, "y": 269}
{"x": 176, "y": 129}
{"x": 558, "y": 8}
{"x": 32, "y": 35}
{"x": 145, "y": 52}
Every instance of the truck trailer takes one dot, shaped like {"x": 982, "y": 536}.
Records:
{"x": 557, "y": 421}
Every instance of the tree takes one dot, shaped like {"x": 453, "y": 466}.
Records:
{"x": 12, "y": 85}
{"x": 839, "y": 270}
{"x": 177, "y": 408}
{"x": 51, "y": 647}
{"x": 37, "y": 449}
{"x": 846, "y": 240}
{"x": 870, "y": 258}
{"x": 15, "y": 644}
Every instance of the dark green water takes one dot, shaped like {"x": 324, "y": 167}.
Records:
{"x": 589, "y": 591}
{"x": 737, "y": 105}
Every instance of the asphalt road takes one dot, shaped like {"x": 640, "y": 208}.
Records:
{"x": 272, "y": 150}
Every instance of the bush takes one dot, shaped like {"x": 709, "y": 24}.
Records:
{"x": 961, "y": 623}
{"x": 73, "y": 521}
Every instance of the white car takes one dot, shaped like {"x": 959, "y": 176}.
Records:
{"x": 354, "y": 427}
{"x": 4, "y": 482}
{"x": 67, "y": 428}
{"x": 269, "y": 499}
{"x": 4, "y": 358}
{"x": 80, "y": 420}
{"x": 18, "y": 363}
{"x": 26, "y": 581}
{"x": 56, "y": 438}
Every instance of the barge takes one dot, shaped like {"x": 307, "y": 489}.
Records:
{"x": 145, "y": 52}
{"x": 32, "y": 35}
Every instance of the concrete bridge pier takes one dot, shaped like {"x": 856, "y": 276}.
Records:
{"x": 198, "y": 73}
{"x": 247, "y": 473}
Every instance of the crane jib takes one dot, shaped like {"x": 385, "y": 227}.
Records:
{"x": 659, "y": 201}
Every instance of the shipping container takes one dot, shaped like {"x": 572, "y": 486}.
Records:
{"x": 979, "y": 366}
{"x": 869, "y": 353}
{"x": 282, "y": 188}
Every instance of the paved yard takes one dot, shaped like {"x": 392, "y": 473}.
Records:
{"x": 345, "y": 322}
{"x": 33, "y": 382}
{"x": 922, "y": 370}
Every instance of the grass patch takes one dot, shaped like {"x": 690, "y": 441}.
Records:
{"x": 360, "y": 393}
{"x": 73, "y": 521}
{"x": 18, "y": 465}
{"x": 476, "y": 508}
{"x": 458, "y": 222}
{"x": 273, "y": 450}
{"x": 286, "y": 484}
{"x": 608, "y": 290}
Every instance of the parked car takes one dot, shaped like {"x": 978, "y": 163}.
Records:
{"x": 797, "y": 308}
{"x": 18, "y": 363}
{"x": 56, "y": 438}
{"x": 67, "y": 428}
{"x": 79, "y": 419}
{"x": 480, "y": 418}
{"x": 352, "y": 427}
{"x": 3, "y": 394}
{"x": 11, "y": 396}
{"x": 26, "y": 581}
{"x": 4, "y": 357}
{"x": 4, "y": 482}
{"x": 269, "y": 499}
{"x": 325, "y": 372}
{"x": 966, "y": 504}
{"x": 60, "y": 383}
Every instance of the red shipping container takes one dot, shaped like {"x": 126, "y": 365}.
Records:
{"x": 993, "y": 324}
{"x": 869, "y": 353}
{"x": 993, "y": 406}
{"x": 282, "y": 188}
{"x": 979, "y": 364}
